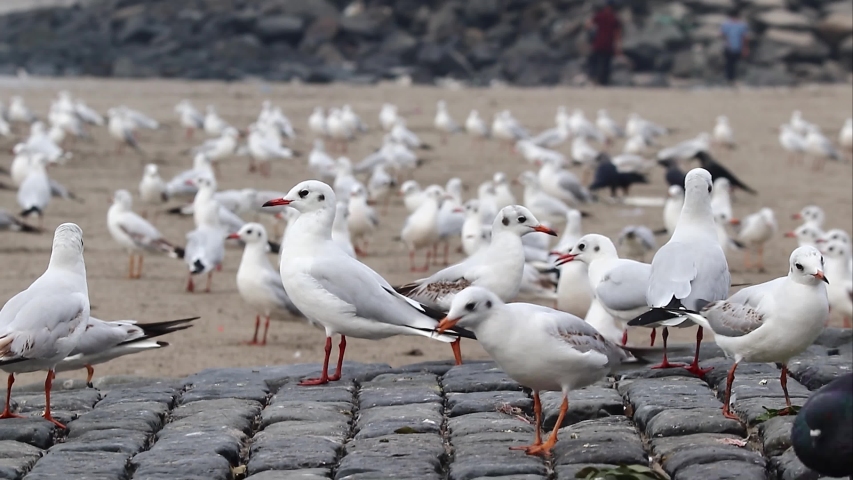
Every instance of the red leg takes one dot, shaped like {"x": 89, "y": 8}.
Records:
{"x": 446, "y": 252}
{"x": 537, "y": 415}
{"x": 426, "y": 263}
{"x": 190, "y": 285}
{"x": 457, "y": 350}
{"x": 48, "y": 383}
{"x": 257, "y": 326}
{"x": 783, "y": 379}
{"x": 654, "y": 335}
{"x": 90, "y": 372}
{"x": 209, "y": 280}
{"x": 189, "y": 133}
{"x": 625, "y": 337}
{"x": 324, "y": 377}
{"x": 729, "y": 380}
{"x": 342, "y": 346}
{"x": 545, "y": 449}
{"x": 665, "y": 363}
{"x": 694, "y": 367}
{"x": 266, "y": 329}
{"x": 412, "y": 267}
{"x": 7, "y": 410}
{"x": 435, "y": 253}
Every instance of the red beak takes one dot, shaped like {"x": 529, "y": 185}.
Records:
{"x": 563, "y": 259}
{"x": 233, "y": 236}
{"x": 445, "y": 324}
{"x": 276, "y": 202}
{"x": 790, "y": 234}
{"x": 820, "y": 240}
{"x": 820, "y": 276}
{"x": 458, "y": 210}
{"x": 734, "y": 221}
{"x": 544, "y": 229}
{"x": 189, "y": 182}
{"x": 797, "y": 216}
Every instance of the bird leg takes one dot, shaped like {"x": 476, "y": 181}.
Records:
{"x": 257, "y": 326}
{"x": 90, "y": 372}
{"x": 139, "y": 267}
{"x": 435, "y": 253}
{"x": 761, "y": 258}
{"x": 342, "y": 346}
{"x": 266, "y": 329}
{"x": 665, "y": 363}
{"x": 624, "y": 337}
{"x": 446, "y": 252}
{"x": 190, "y": 285}
{"x": 694, "y": 367}
{"x": 48, "y": 383}
{"x": 412, "y": 267}
{"x": 130, "y": 266}
{"x": 653, "y": 335}
{"x": 426, "y": 264}
{"x": 537, "y": 415}
{"x": 545, "y": 449}
{"x": 747, "y": 263}
{"x": 324, "y": 377}
{"x": 7, "y": 410}
{"x": 189, "y": 133}
{"x": 729, "y": 380}
{"x": 209, "y": 279}
{"x": 783, "y": 379}
{"x": 457, "y": 350}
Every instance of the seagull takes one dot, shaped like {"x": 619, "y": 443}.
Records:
{"x": 40, "y": 142}
{"x": 845, "y": 135}
{"x": 503, "y": 192}
{"x": 190, "y": 118}
{"x": 340, "y": 229}
{"x": 213, "y": 124}
{"x": 770, "y": 322}
{"x": 822, "y": 429}
{"x": 475, "y": 126}
{"x": 637, "y": 125}
{"x": 535, "y": 154}
{"x": 336, "y": 291}
{"x": 34, "y": 192}
{"x": 689, "y": 269}
{"x": 362, "y": 220}
{"x": 413, "y": 195}
{"x": 793, "y": 143}
{"x": 636, "y": 241}
{"x": 317, "y": 122}
{"x": 812, "y": 215}
{"x": 472, "y": 228}
{"x": 799, "y": 124}
{"x": 581, "y": 127}
{"x": 9, "y": 222}
{"x": 672, "y": 208}
{"x": 820, "y": 148}
{"x": 205, "y": 246}
{"x": 806, "y": 234}
{"x": 122, "y": 129}
{"x": 582, "y": 151}
{"x": 19, "y": 112}
{"x": 721, "y": 201}
{"x": 339, "y": 130}
{"x": 41, "y": 325}
{"x": 840, "y": 274}
{"x": 574, "y": 293}
{"x": 181, "y": 185}
{"x": 552, "y": 137}
{"x": 388, "y": 116}
{"x": 352, "y": 120}
{"x": 755, "y": 231}
{"x": 220, "y": 148}
{"x": 636, "y": 145}
{"x": 138, "y": 119}
{"x": 135, "y": 234}
{"x": 152, "y": 188}
{"x": 258, "y": 282}
{"x": 541, "y": 348}
{"x": 505, "y": 127}
{"x": 264, "y": 147}
{"x": 103, "y": 341}
{"x": 687, "y": 149}
{"x": 618, "y": 285}
{"x": 723, "y": 134}
{"x": 608, "y": 126}
{"x": 401, "y": 134}
{"x": 379, "y": 186}
{"x": 542, "y": 204}
{"x": 443, "y": 122}
{"x": 421, "y": 228}
{"x": 560, "y": 183}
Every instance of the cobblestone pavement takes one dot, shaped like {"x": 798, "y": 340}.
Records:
{"x": 422, "y": 421}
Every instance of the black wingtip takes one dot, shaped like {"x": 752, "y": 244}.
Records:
{"x": 274, "y": 247}
{"x": 653, "y": 316}
{"x": 661, "y": 231}
{"x": 179, "y": 252}
{"x": 30, "y": 210}
{"x": 198, "y": 267}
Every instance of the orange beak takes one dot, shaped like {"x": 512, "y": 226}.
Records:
{"x": 790, "y": 234}
{"x": 544, "y": 229}
{"x": 276, "y": 202}
{"x": 797, "y": 216}
{"x": 446, "y": 324}
{"x": 233, "y": 236}
{"x": 820, "y": 276}
{"x": 734, "y": 221}
{"x": 562, "y": 259}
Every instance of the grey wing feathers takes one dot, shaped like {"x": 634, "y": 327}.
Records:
{"x": 624, "y": 287}
{"x": 732, "y": 319}
{"x": 274, "y": 280}
{"x": 572, "y": 184}
{"x": 673, "y": 270}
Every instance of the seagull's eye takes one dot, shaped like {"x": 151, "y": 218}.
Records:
{"x": 522, "y": 219}
{"x": 799, "y": 266}
{"x": 710, "y": 188}
{"x": 505, "y": 221}
{"x": 821, "y": 260}
{"x": 831, "y": 249}
{"x": 597, "y": 249}
{"x": 303, "y": 193}
{"x": 581, "y": 247}
{"x": 488, "y": 304}
{"x": 249, "y": 231}
{"x": 321, "y": 197}
{"x": 470, "y": 306}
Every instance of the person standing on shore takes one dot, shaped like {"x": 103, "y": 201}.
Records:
{"x": 606, "y": 30}
{"x": 736, "y": 35}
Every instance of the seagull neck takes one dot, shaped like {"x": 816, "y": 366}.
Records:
{"x": 696, "y": 216}
{"x": 68, "y": 259}
{"x": 254, "y": 254}
{"x": 310, "y": 227}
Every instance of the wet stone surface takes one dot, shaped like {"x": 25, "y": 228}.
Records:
{"x": 423, "y": 421}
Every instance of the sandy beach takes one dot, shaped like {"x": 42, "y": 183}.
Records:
{"x": 215, "y": 341}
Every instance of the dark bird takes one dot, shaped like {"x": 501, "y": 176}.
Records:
{"x": 716, "y": 170}
{"x": 673, "y": 174}
{"x": 608, "y": 176}
{"x": 822, "y": 434}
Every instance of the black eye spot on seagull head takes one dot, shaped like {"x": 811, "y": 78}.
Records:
{"x": 470, "y": 306}
{"x": 522, "y": 219}
{"x": 799, "y": 266}
{"x": 303, "y": 193}
{"x": 581, "y": 247}
{"x": 597, "y": 249}
{"x": 249, "y": 231}
{"x": 710, "y": 188}
{"x": 321, "y": 197}
{"x": 505, "y": 221}
{"x": 488, "y": 304}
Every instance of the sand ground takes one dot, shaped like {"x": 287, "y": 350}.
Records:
{"x": 215, "y": 341}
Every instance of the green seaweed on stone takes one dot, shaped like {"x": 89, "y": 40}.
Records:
{"x": 773, "y": 412}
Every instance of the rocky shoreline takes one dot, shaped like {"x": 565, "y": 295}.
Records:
{"x": 520, "y": 42}
{"x": 421, "y": 421}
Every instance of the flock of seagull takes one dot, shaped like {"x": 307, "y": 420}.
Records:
{"x": 328, "y": 223}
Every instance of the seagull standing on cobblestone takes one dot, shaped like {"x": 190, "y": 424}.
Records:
{"x": 40, "y": 326}
{"x": 337, "y": 291}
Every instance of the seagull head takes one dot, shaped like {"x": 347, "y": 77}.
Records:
{"x": 251, "y": 233}
{"x": 123, "y": 199}
{"x": 67, "y": 246}
{"x": 588, "y": 248}
{"x": 698, "y": 188}
{"x": 806, "y": 266}
{"x": 409, "y": 187}
{"x": 308, "y": 196}
{"x": 835, "y": 250}
{"x": 469, "y": 308}
{"x": 151, "y": 170}
{"x": 675, "y": 191}
{"x": 520, "y": 221}
{"x": 472, "y": 208}
{"x": 806, "y": 233}
{"x": 834, "y": 235}
{"x": 810, "y": 214}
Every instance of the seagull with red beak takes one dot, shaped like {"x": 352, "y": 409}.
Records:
{"x": 337, "y": 291}
{"x": 771, "y": 322}
{"x": 497, "y": 267}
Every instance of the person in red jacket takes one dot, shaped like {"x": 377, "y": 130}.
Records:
{"x": 606, "y": 32}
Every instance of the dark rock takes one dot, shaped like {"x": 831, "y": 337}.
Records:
{"x": 400, "y": 43}
{"x": 366, "y": 24}
{"x": 63, "y": 400}
{"x": 592, "y": 402}
{"x": 444, "y": 23}
{"x": 465, "y": 403}
{"x": 420, "y": 456}
{"x": 401, "y": 419}
{"x": 325, "y": 393}
{"x": 280, "y": 27}
{"x": 95, "y": 464}
{"x": 107, "y": 440}
{"x": 16, "y": 458}
{"x": 305, "y": 9}
{"x": 775, "y": 435}
{"x": 482, "y": 13}
{"x": 271, "y": 452}
{"x": 782, "y": 18}
{"x": 722, "y": 470}
{"x": 671, "y": 423}
{"x": 814, "y": 375}
{"x": 33, "y": 431}
{"x": 142, "y": 417}
{"x": 788, "y": 467}
{"x": 156, "y": 466}
{"x": 607, "y": 440}
{"x": 321, "y": 31}
{"x": 477, "y": 377}
{"x": 486, "y": 422}
{"x": 285, "y": 411}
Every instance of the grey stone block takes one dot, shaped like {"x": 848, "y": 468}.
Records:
{"x": 34, "y": 431}
{"x": 671, "y": 423}
{"x": 142, "y": 417}
{"x": 400, "y": 419}
{"x": 386, "y": 396}
{"x": 16, "y": 458}
{"x": 285, "y": 411}
{"x": 161, "y": 465}
{"x": 129, "y": 442}
{"x": 271, "y": 452}
{"x": 477, "y": 377}
{"x": 305, "y": 474}
{"x": 486, "y": 422}
{"x": 775, "y": 435}
{"x": 487, "y": 401}
{"x": 595, "y": 401}
{"x": 96, "y": 464}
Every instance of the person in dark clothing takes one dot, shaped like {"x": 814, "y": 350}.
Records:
{"x": 736, "y": 35}
{"x": 606, "y": 42}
